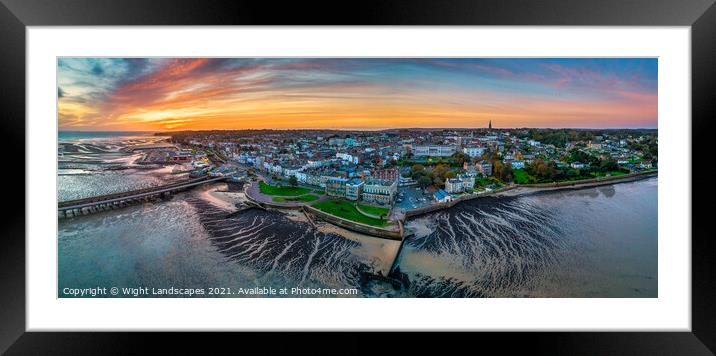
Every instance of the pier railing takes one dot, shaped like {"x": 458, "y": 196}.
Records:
{"x": 112, "y": 201}
{"x": 126, "y": 194}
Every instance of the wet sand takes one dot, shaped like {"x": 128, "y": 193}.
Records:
{"x": 218, "y": 195}
{"x": 379, "y": 253}
{"x": 376, "y": 252}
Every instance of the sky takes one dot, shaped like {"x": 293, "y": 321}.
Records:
{"x": 166, "y": 94}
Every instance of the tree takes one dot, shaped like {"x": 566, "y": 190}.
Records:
{"x": 459, "y": 158}
{"x": 496, "y": 167}
{"x": 293, "y": 181}
{"x": 542, "y": 169}
{"x": 502, "y": 171}
{"x": 438, "y": 174}
{"x": 608, "y": 166}
{"x": 417, "y": 167}
{"x": 506, "y": 173}
{"x": 438, "y": 182}
{"x": 424, "y": 181}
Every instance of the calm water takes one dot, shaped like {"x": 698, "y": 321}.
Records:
{"x": 76, "y": 135}
{"x": 93, "y": 163}
{"x": 599, "y": 242}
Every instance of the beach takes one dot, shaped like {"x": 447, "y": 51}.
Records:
{"x": 220, "y": 196}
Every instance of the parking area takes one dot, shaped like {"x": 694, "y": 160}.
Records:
{"x": 412, "y": 198}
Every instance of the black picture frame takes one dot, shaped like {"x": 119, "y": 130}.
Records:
{"x": 16, "y": 15}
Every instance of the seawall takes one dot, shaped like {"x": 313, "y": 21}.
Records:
{"x": 586, "y": 183}
{"x": 357, "y": 227}
{"x": 439, "y": 206}
{"x": 520, "y": 189}
{"x": 269, "y": 205}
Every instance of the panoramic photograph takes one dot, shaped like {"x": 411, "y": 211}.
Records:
{"x": 357, "y": 177}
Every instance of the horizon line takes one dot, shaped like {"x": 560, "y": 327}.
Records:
{"x": 378, "y": 129}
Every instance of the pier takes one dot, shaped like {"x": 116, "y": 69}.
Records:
{"x": 85, "y": 206}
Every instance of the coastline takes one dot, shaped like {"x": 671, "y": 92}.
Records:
{"x": 229, "y": 200}
{"x": 220, "y": 197}
{"x": 518, "y": 190}
{"x": 526, "y": 189}
{"x": 378, "y": 253}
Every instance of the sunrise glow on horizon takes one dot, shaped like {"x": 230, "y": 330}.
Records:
{"x": 164, "y": 94}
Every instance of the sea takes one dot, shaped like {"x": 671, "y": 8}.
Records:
{"x": 592, "y": 242}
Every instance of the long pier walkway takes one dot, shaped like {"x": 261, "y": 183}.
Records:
{"x": 90, "y": 205}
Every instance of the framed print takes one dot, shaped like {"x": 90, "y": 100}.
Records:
{"x": 267, "y": 175}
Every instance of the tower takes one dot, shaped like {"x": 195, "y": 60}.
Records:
{"x": 489, "y": 125}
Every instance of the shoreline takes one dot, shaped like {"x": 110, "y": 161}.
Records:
{"x": 229, "y": 200}
{"x": 519, "y": 190}
{"x": 526, "y": 189}
{"x": 222, "y": 198}
{"x": 379, "y": 253}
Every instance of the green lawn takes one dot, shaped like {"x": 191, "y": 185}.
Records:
{"x": 486, "y": 181}
{"x": 302, "y": 198}
{"x": 374, "y": 210}
{"x": 612, "y": 173}
{"x": 286, "y": 191}
{"x": 346, "y": 210}
{"x": 521, "y": 177}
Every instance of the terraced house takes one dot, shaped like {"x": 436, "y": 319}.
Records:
{"x": 336, "y": 187}
{"x": 380, "y": 192}
{"x": 354, "y": 188}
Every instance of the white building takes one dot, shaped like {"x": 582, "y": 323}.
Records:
{"x": 442, "y": 196}
{"x": 473, "y": 151}
{"x": 468, "y": 181}
{"x": 292, "y": 171}
{"x": 314, "y": 164}
{"x": 354, "y": 189}
{"x": 434, "y": 151}
{"x": 336, "y": 141}
{"x": 347, "y": 157}
{"x": 381, "y": 192}
{"x": 517, "y": 164}
{"x": 453, "y": 185}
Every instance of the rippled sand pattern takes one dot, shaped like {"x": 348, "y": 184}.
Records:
{"x": 569, "y": 244}
{"x": 271, "y": 243}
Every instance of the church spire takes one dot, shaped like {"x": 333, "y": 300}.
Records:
{"x": 489, "y": 125}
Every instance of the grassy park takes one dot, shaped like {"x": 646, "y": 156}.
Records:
{"x": 302, "y": 198}
{"x": 612, "y": 173}
{"x": 346, "y": 210}
{"x": 284, "y": 191}
{"x": 374, "y": 210}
